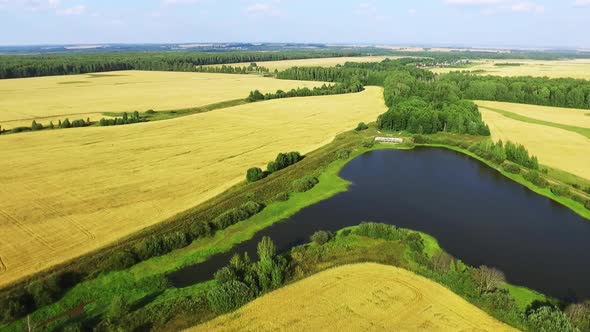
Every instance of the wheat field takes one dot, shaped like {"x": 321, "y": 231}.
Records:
{"x": 578, "y": 68}
{"x": 360, "y": 297}
{"x": 557, "y": 148}
{"x": 67, "y": 192}
{"x": 54, "y": 98}
{"x": 566, "y": 116}
{"x": 314, "y": 62}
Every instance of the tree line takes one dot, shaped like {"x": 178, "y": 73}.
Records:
{"x": 283, "y": 160}
{"x": 351, "y": 86}
{"x": 123, "y": 120}
{"x": 558, "y": 92}
{"x": 18, "y": 66}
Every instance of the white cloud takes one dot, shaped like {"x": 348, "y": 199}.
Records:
{"x": 496, "y": 6}
{"x": 68, "y": 11}
{"x": 262, "y": 9}
{"x": 582, "y": 3}
{"x": 179, "y": 2}
{"x": 527, "y": 7}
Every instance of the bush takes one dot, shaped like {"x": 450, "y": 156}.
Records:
{"x": 232, "y": 216}
{"x": 343, "y": 154}
{"x": 282, "y": 197}
{"x": 252, "y": 208}
{"x": 254, "y": 174}
{"x": 579, "y": 315}
{"x": 420, "y": 139}
{"x": 368, "y": 143}
{"x": 511, "y": 168}
{"x": 150, "y": 112}
{"x": 379, "y": 231}
{"x": 560, "y": 190}
{"x": 321, "y": 237}
{"x": 120, "y": 260}
{"x": 549, "y": 319}
{"x": 535, "y": 178}
{"x": 172, "y": 241}
{"x": 304, "y": 184}
{"x": 200, "y": 229}
{"x": 415, "y": 242}
{"x": 228, "y": 296}
{"x": 361, "y": 126}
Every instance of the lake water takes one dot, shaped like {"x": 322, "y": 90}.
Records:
{"x": 475, "y": 213}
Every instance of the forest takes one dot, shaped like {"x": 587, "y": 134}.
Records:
{"x": 562, "y": 92}
{"x": 19, "y": 66}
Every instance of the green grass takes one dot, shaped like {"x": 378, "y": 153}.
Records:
{"x": 578, "y": 130}
{"x": 524, "y": 296}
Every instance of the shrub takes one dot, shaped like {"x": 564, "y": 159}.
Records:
{"x": 304, "y": 184}
{"x": 535, "y": 178}
{"x": 343, "y": 154}
{"x": 254, "y": 174}
{"x": 200, "y": 229}
{"x": 252, "y": 208}
{"x": 368, "y": 143}
{"x": 321, "y": 237}
{"x": 549, "y": 319}
{"x": 281, "y": 197}
{"x": 560, "y": 190}
{"x": 415, "y": 242}
{"x": 379, "y": 231}
{"x": 579, "y": 315}
{"x": 173, "y": 241}
{"x": 228, "y": 296}
{"x": 45, "y": 292}
{"x": 148, "y": 248}
{"x": 232, "y": 216}
{"x": 441, "y": 262}
{"x": 511, "y": 168}
{"x": 420, "y": 139}
{"x": 150, "y": 112}
{"x": 361, "y": 126}
{"x": 120, "y": 260}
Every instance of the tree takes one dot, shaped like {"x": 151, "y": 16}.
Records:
{"x": 549, "y": 319}
{"x": 488, "y": 278}
{"x": 321, "y": 237}
{"x": 254, "y": 174}
{"x": 228, "y": 296}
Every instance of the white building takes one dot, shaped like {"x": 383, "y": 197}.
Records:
{"x": 394, "y": 140}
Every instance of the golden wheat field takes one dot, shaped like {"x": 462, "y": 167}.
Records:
{"x": 67, "y": 192}
{"x": 579, "y": 68}
{"x": 80, "y": 96}
{"x": 558, "y": 148}
{"x": 360, "y": 297}
{"x": 314, "y": 62}
{"x": 567, "y": 116}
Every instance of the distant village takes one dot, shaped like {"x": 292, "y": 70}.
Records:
{"x": 443, "y": 64}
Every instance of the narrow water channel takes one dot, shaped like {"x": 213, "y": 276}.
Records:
{"x": 476, "y": 214}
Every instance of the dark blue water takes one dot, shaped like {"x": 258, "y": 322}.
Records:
{"x": 476, "y": 214}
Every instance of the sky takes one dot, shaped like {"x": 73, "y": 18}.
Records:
{"x": 486, "y": 23}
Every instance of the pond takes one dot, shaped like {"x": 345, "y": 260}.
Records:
{"x": 475, "y": 213}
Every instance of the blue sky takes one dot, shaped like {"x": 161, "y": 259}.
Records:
{"x": 512, "y": 23}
